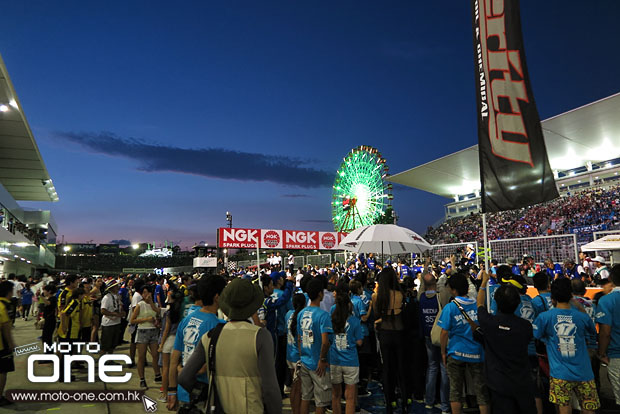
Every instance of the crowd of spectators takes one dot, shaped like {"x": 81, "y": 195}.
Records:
{"x": 583, "y": 212}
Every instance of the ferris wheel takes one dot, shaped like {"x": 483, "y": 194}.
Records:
{"x": 360, "y": 195}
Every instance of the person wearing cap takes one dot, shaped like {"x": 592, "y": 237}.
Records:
{"x": 608, "y": 319}
{"x": 600, "y": 270}
{"x": 564, "y": 331}
{"x": 244, "y": 365}
{"x": 111, "y": 320}
{"x": 470, "y": 254}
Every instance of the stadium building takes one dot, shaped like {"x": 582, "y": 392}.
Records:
{"x": 27, "y": 237}
{"x": 583, "y": 146}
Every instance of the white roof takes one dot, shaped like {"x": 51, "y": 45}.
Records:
{"x": 22, "y": 171}
{"x": 588, "y": 133}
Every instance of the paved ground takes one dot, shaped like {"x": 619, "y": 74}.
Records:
{"x": 25, "y": 333}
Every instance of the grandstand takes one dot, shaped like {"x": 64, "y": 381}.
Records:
{"x": 27, "y": 237}
{"x": 583, "y": 147}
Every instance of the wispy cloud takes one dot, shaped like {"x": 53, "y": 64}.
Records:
{"x": 295, "y": 195}
{"x": 206, "y": 162}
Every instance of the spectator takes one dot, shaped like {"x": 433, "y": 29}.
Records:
{"x": 600, "y": 270}
{"x": 343, "y": 359}
{"x": 244, "y": 365}
{"x": 292, "y": 350}
{"x": 49, "y": 316}
{"x": 26, "y": 295}
{"x": 430, "y": 306}
{"x": 542, "y": 302}
{"x": 387, "y": 305}
{"x": 6, "y": 339}
{"x": 313, "y": 328}
{"x": 146, "y": 317}
{"x": 170, "y": 323}
{"x": 112, "y": 313}
{"x": 189, "y": 332}
{"x": 459, "y": 351}
{"x": 608, "y": 318}
{"x": 564, "y": 331}
{"x": 507, "y": 338}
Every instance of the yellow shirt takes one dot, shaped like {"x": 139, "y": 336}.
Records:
{"x": 70, "y": 320}
{"x": 4, "y": 318}
{"x": 86, "y": 314}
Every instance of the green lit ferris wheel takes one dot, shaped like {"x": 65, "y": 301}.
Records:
{"x": 360, "y": 195}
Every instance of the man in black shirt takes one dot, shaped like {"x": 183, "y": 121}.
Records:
{"x": 506, "y": 338}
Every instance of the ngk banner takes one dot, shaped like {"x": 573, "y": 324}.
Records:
{"x": 278, "y": 239}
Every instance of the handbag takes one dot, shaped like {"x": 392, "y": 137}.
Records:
{"x": 436, "y": 329}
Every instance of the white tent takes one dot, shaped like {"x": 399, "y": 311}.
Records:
{"x": 611, "y": 243}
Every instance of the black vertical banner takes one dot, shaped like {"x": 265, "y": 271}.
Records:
{"x": 514, "y": 168}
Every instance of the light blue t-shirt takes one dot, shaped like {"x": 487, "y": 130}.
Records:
{"x": 590, "y": 308}
{"x": 542, "y": 302}
{"x": 359, "y": 310}
{"x": 564, "y": 332}
{"x": 189, "y": 333}
{"x": 343, "y": 350}
{"x": 608, "y": 313}
{"x": 292, "y": 352}
{"x": 526, "y": 311}
{"x": 312, "y": 322}
{"x": 461, "y": 344}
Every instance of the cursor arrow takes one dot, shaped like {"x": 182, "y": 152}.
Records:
{"x": 150, "y": 405}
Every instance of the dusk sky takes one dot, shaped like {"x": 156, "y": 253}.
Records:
{"x": 155, "y": 118}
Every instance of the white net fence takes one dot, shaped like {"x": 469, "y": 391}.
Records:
{"x": 557, "y": 248}
{"x": 319, "y": 259}
{"x": 440, "y": 252}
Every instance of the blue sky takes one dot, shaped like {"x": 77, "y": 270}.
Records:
{"x": 155, "y": 118}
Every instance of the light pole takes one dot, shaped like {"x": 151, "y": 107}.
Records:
{"x": 67, "y": 249}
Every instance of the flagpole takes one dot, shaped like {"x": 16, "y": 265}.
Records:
{"x": 486, "y": 255}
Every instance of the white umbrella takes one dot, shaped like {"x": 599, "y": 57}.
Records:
{"x": 384, "y": 238}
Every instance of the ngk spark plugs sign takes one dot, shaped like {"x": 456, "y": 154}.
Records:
{"x": 278, "y": 239}
{"x": 271, "y": 239}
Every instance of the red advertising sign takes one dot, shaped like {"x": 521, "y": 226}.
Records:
{"x": 278, "y": 239}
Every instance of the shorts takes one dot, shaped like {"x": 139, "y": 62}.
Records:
{"x": 456, "y": 372}
{"x": 613, "y": 373}
{"x": 147, "y": 336}
{"x": 110, "y": 337}
{"x": 291, "y": 365}
{"x": 560, "y": 392}
{"x": 6, "y": 361}
{"x": 85, "y": 334}
{"x": 348, "y": 375}
{"x": 168, "y": 345}
{"x": 315, "y": 387}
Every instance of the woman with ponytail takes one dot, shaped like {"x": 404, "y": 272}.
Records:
{"x": 343, "y": 360}
{"x": 292, "y": 350}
